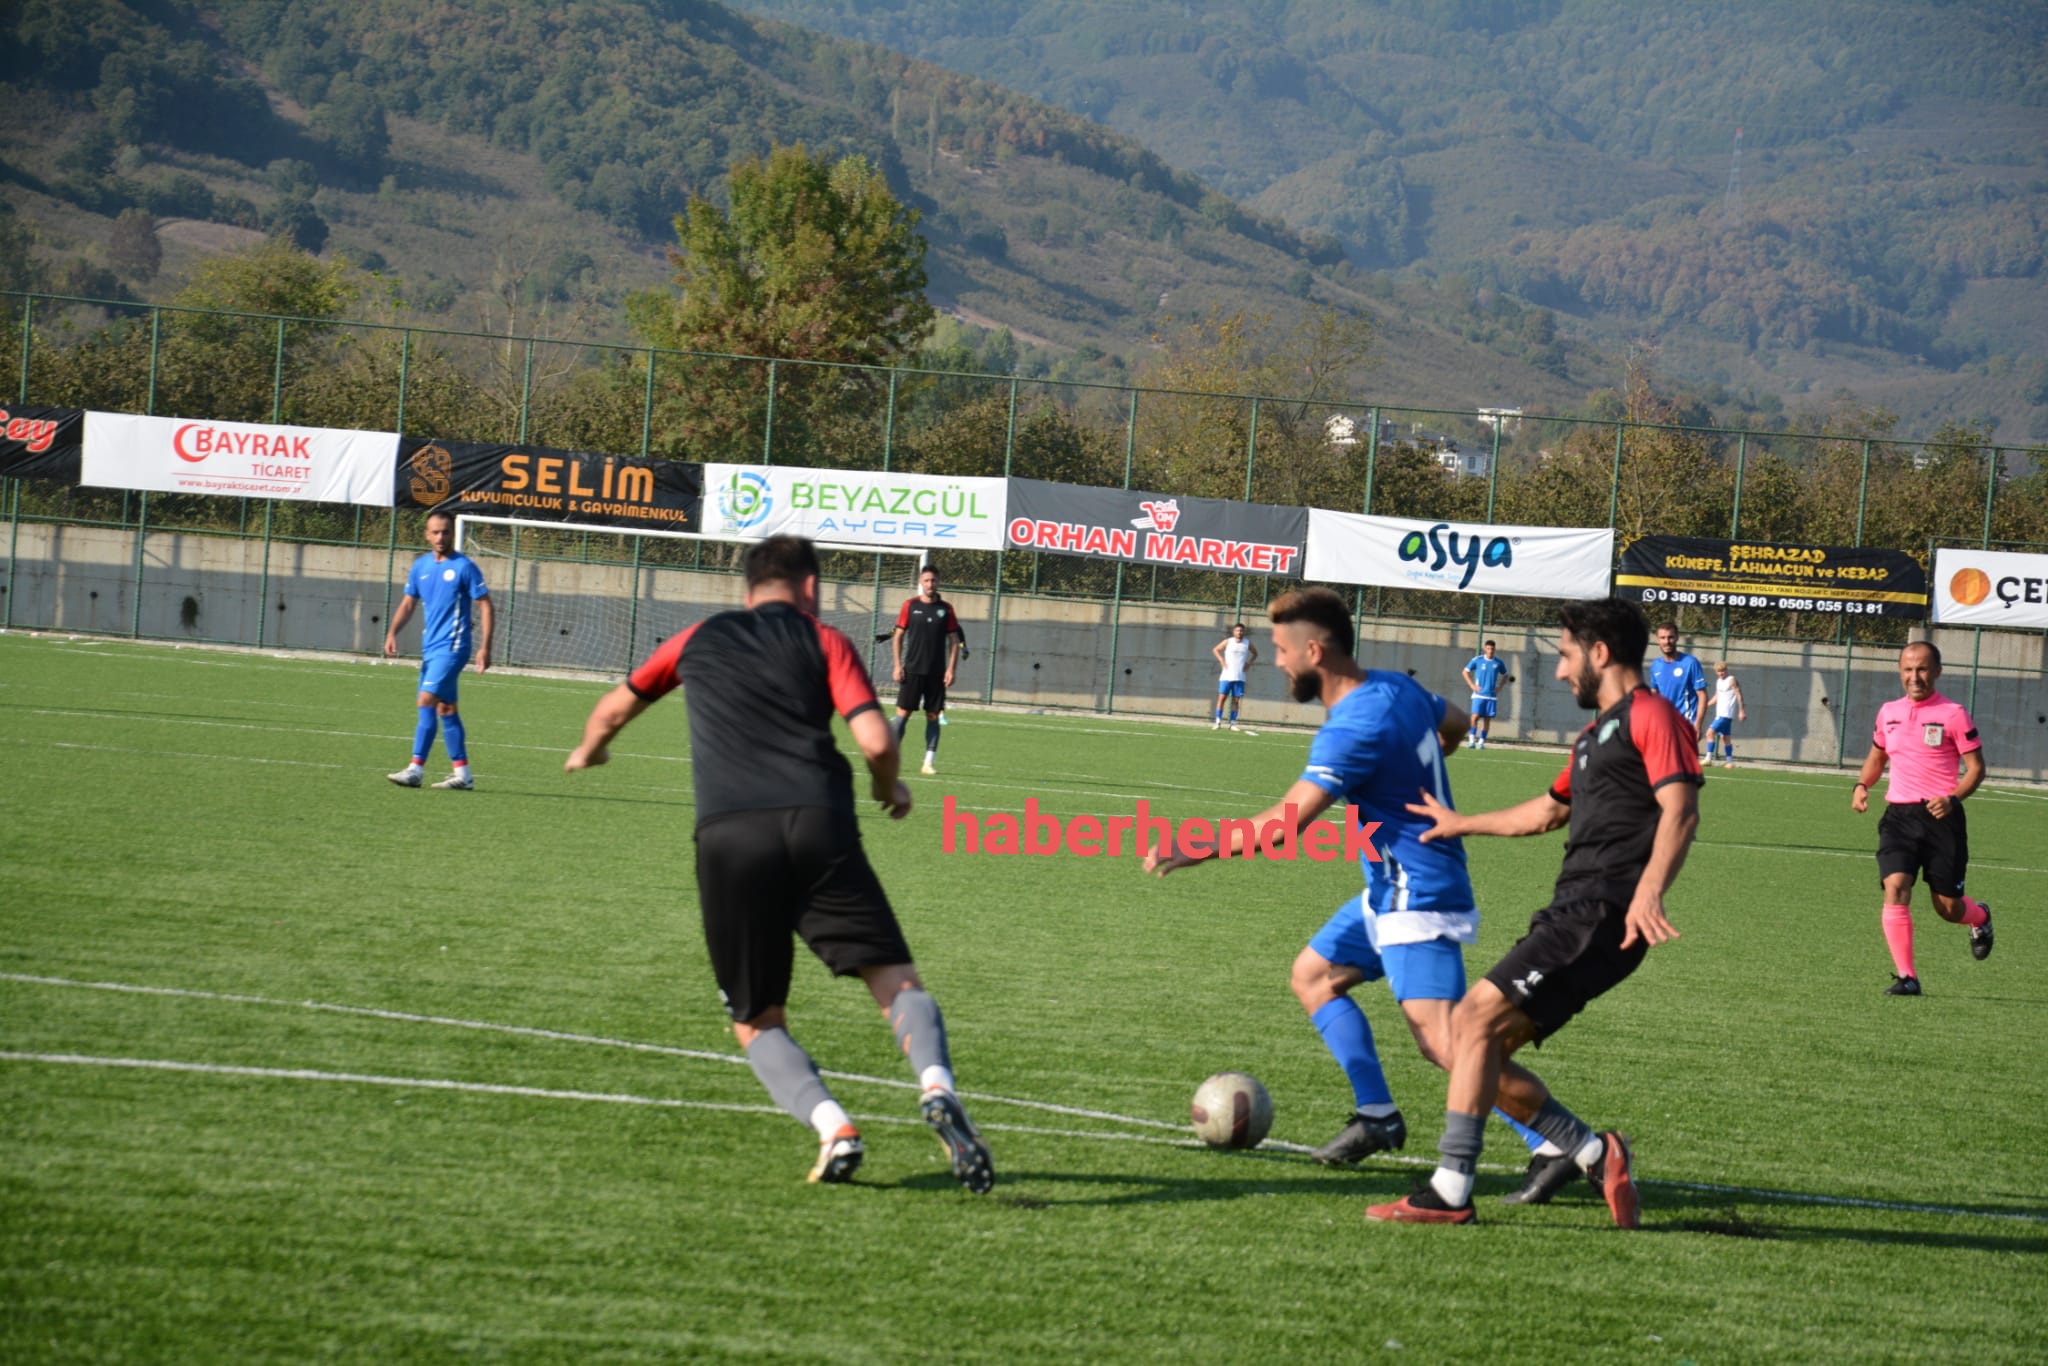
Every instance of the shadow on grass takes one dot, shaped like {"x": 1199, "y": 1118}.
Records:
{"x": 1758, "y": 1216}
{"x": 1289, "y": 1177}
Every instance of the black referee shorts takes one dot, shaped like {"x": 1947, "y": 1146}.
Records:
{"x": 1571, "y": 954}
{"x": 1911, "y": 841}
{"x": 922, "y": 692}
{"x": 763, "y": 875}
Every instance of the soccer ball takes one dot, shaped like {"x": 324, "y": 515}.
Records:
{"x": 1232, "y": 1110}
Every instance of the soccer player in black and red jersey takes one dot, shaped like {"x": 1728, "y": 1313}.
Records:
{"x": 778, "y": 845}
{"x": 926, "y": 645}
{"x": 1630, "y": 791}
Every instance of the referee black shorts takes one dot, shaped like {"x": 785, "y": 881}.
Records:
{"x": 1571, "y": 954}
{"x": 922, "y": 692}
{"x": 1911, "y": 841}
{"x": 763, "y": 875}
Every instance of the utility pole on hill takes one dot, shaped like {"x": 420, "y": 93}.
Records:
{"x": 1731, "y": 202}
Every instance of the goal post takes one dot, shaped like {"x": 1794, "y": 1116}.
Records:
{"x": 598, "y": 599}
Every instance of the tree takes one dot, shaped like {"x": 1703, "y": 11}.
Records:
{"x": 218, "y": 364}
{"x": 132, "y": 246}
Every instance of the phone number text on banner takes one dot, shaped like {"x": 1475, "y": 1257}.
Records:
{"x": 854, "y": 507}
{"x": 1155, "y": 528}
{"x": 1403, "y": 552}
{"x": 238, "y": 459}
{"x": 1698, "y": 571}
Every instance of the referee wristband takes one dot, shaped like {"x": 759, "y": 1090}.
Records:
{"x": 1864, "y": 786}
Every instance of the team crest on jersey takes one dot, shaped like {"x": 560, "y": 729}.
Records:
{"x": 448, "y": 574}
{"x": 1931, "y": 733}
{"x": 1608, "y": 727}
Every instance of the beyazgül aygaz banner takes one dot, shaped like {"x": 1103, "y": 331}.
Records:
{"x": 1693, "y": 571}
{"x": 1991, "y": 588}
{"x": 1516, "y": 561}
{"x": 854, "y": 507}
{"x": 543, "y": 484}
{"x": 238, "y": 459}
{"x": 1156, "y": 528}
{"x": 41, "y": 443}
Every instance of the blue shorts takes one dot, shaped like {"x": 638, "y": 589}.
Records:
{"x": 1230, "y": 689}
{"x": 1723, "y": 725}
{"x": 1433, "y": 970}
{"x": 441, "y": 674}
{"x": 1484, "y": 706}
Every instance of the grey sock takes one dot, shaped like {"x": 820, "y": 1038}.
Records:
{"x": 1458, "y": 1149}
{"x": 788, "y": 1072}
{"x": 1561, "y": 1126}
{"x": 931, "y": 735}
{"x": 914, "y": 1015}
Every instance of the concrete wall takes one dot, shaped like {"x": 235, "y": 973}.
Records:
{"x": 1807, "y": 702}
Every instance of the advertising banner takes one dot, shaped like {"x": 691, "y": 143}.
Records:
{"x": 238, "y": 459}
{"x": 550, "y": 485}
{"x": 854, "y": 507}
{"x": 1693, "y": 571}
{"x": 1155, "y": 528}
{"x": 1459, "y": 557}
{"x": 1991, "y": 588}
{"x": 41, "y": 443}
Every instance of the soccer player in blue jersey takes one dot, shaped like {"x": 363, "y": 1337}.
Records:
{"x": 1482, "y": 676}
{"x": 1678, "y": 678}
{"x": 1382, "y": 745}
{"x": 448, "y": 583}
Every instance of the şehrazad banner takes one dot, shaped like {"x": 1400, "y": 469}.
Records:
{"x": 1156, "y": 528}
{"x": 1459, "y": 557}
{"x": 1695, "y": 571}
{"x": 854, "y": 507}
{"x": 1991, "y": 588}
{"x": 238, "y": 459}
{"x": 41, "y": 443}
{"x": 549, "y": 485}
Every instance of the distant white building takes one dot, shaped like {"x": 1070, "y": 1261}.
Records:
{"x": 1500, "y": 419}
{"x": 1341, "y": 429}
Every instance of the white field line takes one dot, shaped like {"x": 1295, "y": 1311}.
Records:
{"x": 669, "y": 1103}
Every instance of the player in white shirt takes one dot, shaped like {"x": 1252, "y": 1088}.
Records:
{"x": 1234, "y": 654}
{"x": 1728, "y": 709}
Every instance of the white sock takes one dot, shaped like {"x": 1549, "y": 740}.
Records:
{"x": 1454, "y": 1187}
{"x": 828, "y": 1119}
{"x": 1549, "y": 1149}
{"x": 1590, "y": 1153}
{"x": 936, "y": 1078}
{"x": 1379, "y": 1111}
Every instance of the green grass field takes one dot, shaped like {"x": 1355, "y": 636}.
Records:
{"x": 298, "y": 1065}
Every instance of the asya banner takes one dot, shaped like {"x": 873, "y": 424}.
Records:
{"x": 1458, "y": 557}
{"x": 1991, "y": 588}
{"x": 238, "y": 459}
{"x": 550, "y": 485}
{"x": 1693, "y": 571}
{"x": 854, "y": 507}
{"x": 1156, "y": 528}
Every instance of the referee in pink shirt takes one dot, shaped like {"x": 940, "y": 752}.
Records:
{"x": 1925, "y": 737}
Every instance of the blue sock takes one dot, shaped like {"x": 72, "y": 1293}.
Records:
{"x": 456, "y": 738}
{"x": 1528, "y": 1135}
{"x": 931, "y": 735}
{"x": 1233, "y": 713}
{"x": 1349, "y": 1039}
{"x": 423, "y": 737}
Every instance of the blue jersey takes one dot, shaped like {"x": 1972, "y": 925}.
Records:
{"x": 445, "y": 588}
{"x": 1680, "y": 682}
{"x": 1486, "y": 674}
{"x": 1378, "y": 751}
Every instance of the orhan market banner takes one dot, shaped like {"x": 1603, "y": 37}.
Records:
{"x": 238, "y": 459}
{"x": 1459, "y": 557}
{"x": 41, "y": 443}
{"x": 1695, "y": 571}
{"x": 551, "y": 485}
{"x": 1156, "y": 528}
{"x": 854, "y": 507}
{"x": 1991, "y": 588}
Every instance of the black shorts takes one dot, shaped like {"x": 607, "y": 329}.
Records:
{"x": 762, "y": 875}
{"x": 1911, "y": 841}
{"x": 922, "y": 692}
{"x": 1571, "y": 954}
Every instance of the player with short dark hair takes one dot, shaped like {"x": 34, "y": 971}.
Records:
{"x": 1234, "y": 654}
{"x": 1924, "y": 737}
{"x": 778, "y": 844}
{"x": 1630, "y": 791}
{"x": 926, "y": 645}
{"x": 1482, "y": 675}
{"x": 449, "y": 584}
{"x": 1678, "y": 678}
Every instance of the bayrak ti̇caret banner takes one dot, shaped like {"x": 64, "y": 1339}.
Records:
{"x": 1156, "y": 528}
{"x": 1693, "y": 571}
{"x": 238, "y": 459}
{"x": 41, "y": 443}
{"x": 1459, "y": 557}
{"x": 854, "y": 507}
{"x": 544, "y": 484}
{"x": 1991, "y": 588}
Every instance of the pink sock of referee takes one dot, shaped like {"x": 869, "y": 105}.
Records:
{"x": 1898, "y": 934}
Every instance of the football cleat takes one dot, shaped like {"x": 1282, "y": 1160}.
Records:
{"x": 1361, "y": 1137}
{"x": 405, "y": 777}
{"x": 930, "y": 769}
{"x": 1903, "y": 986}
{"x": 972, "y": 1167}
{"x": 457, "y": 782}
{"x": 1421, "y": 1206}
{"x": 1614, "y": 1177}
{"x": 1980, "y": 937}
{"x": 838, "y": 1157}
{"x": 1547, "y": 1176}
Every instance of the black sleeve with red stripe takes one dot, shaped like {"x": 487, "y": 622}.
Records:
{"x": 852, "y": 691}
{"x": 1667, "y": 741}
{"x": 658, "y": 675}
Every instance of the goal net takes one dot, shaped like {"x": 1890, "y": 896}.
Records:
{"x": 599, "y": 599}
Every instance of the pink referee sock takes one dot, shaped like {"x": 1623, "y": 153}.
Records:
{"x": 1974, "y": 914}
{"x": 1898, "y": 933}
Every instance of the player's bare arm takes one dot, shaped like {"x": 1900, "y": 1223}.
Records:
{"x": 952, "y": 656}
{"x": 896, "y": 651}
{"x": 612, "y": 714}
{"x": 486, "y": 621}
{"x": 1973, "y": 775}
{"x": 407, "y": 605}
{"x": 1217, "y": 650}
{"x": 1699, "y": 712}
{"x": 1678, "y": 818}
{"x": 1537, "y": 816}
{"x": 1471, "y": 683}
{"x": 877, "y": 741}
{"x": 1741, "y": 707}
{"x": 1873, "y": 769}
{"x": 1451, "y": 731}
{"x": 1307, "y": 800}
